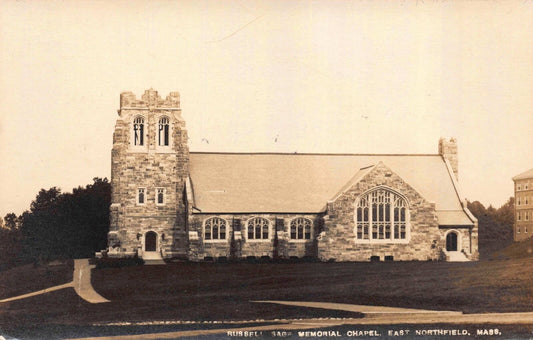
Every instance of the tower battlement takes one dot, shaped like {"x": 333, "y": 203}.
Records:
{"x": 150, "y": 99}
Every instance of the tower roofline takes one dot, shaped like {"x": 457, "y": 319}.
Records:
{"x": 149, "y": 100}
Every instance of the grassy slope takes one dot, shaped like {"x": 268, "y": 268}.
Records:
{"x": 517, "y": 250}
{"x": 203, "y": 291}
{"x": 470, "y": 287}
{"x": 29, "y": 278}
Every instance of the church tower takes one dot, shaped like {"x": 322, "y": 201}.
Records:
{"x": 149, "y": 171}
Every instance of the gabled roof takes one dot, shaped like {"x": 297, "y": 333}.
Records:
{"x": 524, "y": 175}
{"x": 303, "y": 183}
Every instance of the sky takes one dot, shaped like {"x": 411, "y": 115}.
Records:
{"x": 268, "y": 76}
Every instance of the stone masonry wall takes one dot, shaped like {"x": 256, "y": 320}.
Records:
{"x": 338, "y": 241}
{"x": 448, "y": 150}
{"x": 467, "y": 243}
{"x": 278, "y": 246}
{"x": 149, "y": 166}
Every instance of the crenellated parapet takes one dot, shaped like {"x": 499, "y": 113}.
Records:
{"x": 149, "y": 100}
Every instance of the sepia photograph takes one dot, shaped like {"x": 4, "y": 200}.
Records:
{"x": 237, "y": 169}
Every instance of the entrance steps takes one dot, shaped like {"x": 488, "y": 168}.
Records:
{"x": 153, "y": 262}
{"x": 152, "y": 258}
{"x": 456, "y": 256}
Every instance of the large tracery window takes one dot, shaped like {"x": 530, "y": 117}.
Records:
{"x": 215, "y": 229}
{"x": 163, "y": 135}
{"x": 301, "y": 228}
{"x": 138, "y": 131}
{"x": 258, "y": 229}
{"x": 381, "y": 215}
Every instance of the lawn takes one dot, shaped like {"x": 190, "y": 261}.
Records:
{"x": 215, "y": 291}
{"x": 223, "y": 291}
{"x": 29, "y": 278}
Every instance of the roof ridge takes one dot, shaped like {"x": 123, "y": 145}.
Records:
{"x": 311, "y": 154}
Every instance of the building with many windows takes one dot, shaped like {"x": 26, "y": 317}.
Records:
{"x": 168, "y": 202}
{"x": 523, "y": 202}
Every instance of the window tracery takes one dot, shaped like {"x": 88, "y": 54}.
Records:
{"x": 215, "y": 229}
{"x": 138, "y": 131}
{"x": 301, "y": 228}
{"x": 258, "y": 229}
{"x": 381, "y": 214}
{"x": 163, "y": 134}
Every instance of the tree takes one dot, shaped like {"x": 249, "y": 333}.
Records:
{"x": 69, "y": 225}
{"x": 505, "y": 215}
{"x": 11, "y": 221}
{"x": 495, "y": 226}
{"x": 45, "y": 199}
{"x": 10, "y": 245}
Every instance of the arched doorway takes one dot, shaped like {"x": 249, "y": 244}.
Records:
{"x": 451, "y": 241}
{"x": 150, "y": 241}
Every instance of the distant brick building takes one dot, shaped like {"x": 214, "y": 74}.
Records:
{"x": 523, "y": 202}
{"x": 168, "y": 202}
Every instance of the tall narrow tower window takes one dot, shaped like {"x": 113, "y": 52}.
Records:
{"x": 138, "y": 131}
{"x": 141, "y": 192}
{"x": 163, "y": 133}
{"x": 160, "y": 196}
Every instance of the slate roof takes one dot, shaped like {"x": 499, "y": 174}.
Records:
{"x": 303, "y": 183}
{"x": 524, "y": 175}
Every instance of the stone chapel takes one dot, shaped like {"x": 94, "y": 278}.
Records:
{"x": 170, "y": 203}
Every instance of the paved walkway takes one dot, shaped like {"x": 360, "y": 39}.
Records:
{"x": 359, "y": 308}
{"x": 81, "y": 283}
{"x": 39, "y": 292}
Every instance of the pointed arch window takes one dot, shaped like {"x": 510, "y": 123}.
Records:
{"x": 215, "y": 229}
{"x": 138, "y": 131}
{"x": 301, "y": 229}
{"x": 160, "y": 194}
{"x": 258, "y": 229}
{"x": 141, "y": 196}
{"x": 163, "y": 133}
{"x": 381, "y": 215}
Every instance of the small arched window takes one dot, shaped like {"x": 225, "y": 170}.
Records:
{"x": 258, "y": 229}
{"x": 215, "y": 229}
{"x": 163, "y": 134}
{"x": 160, "y": 196}
{"x": 138, "y": 131}
{"x": 381, "y": 215}
{"x": 301, "y": 228}
{"x": 141, "y": 193}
